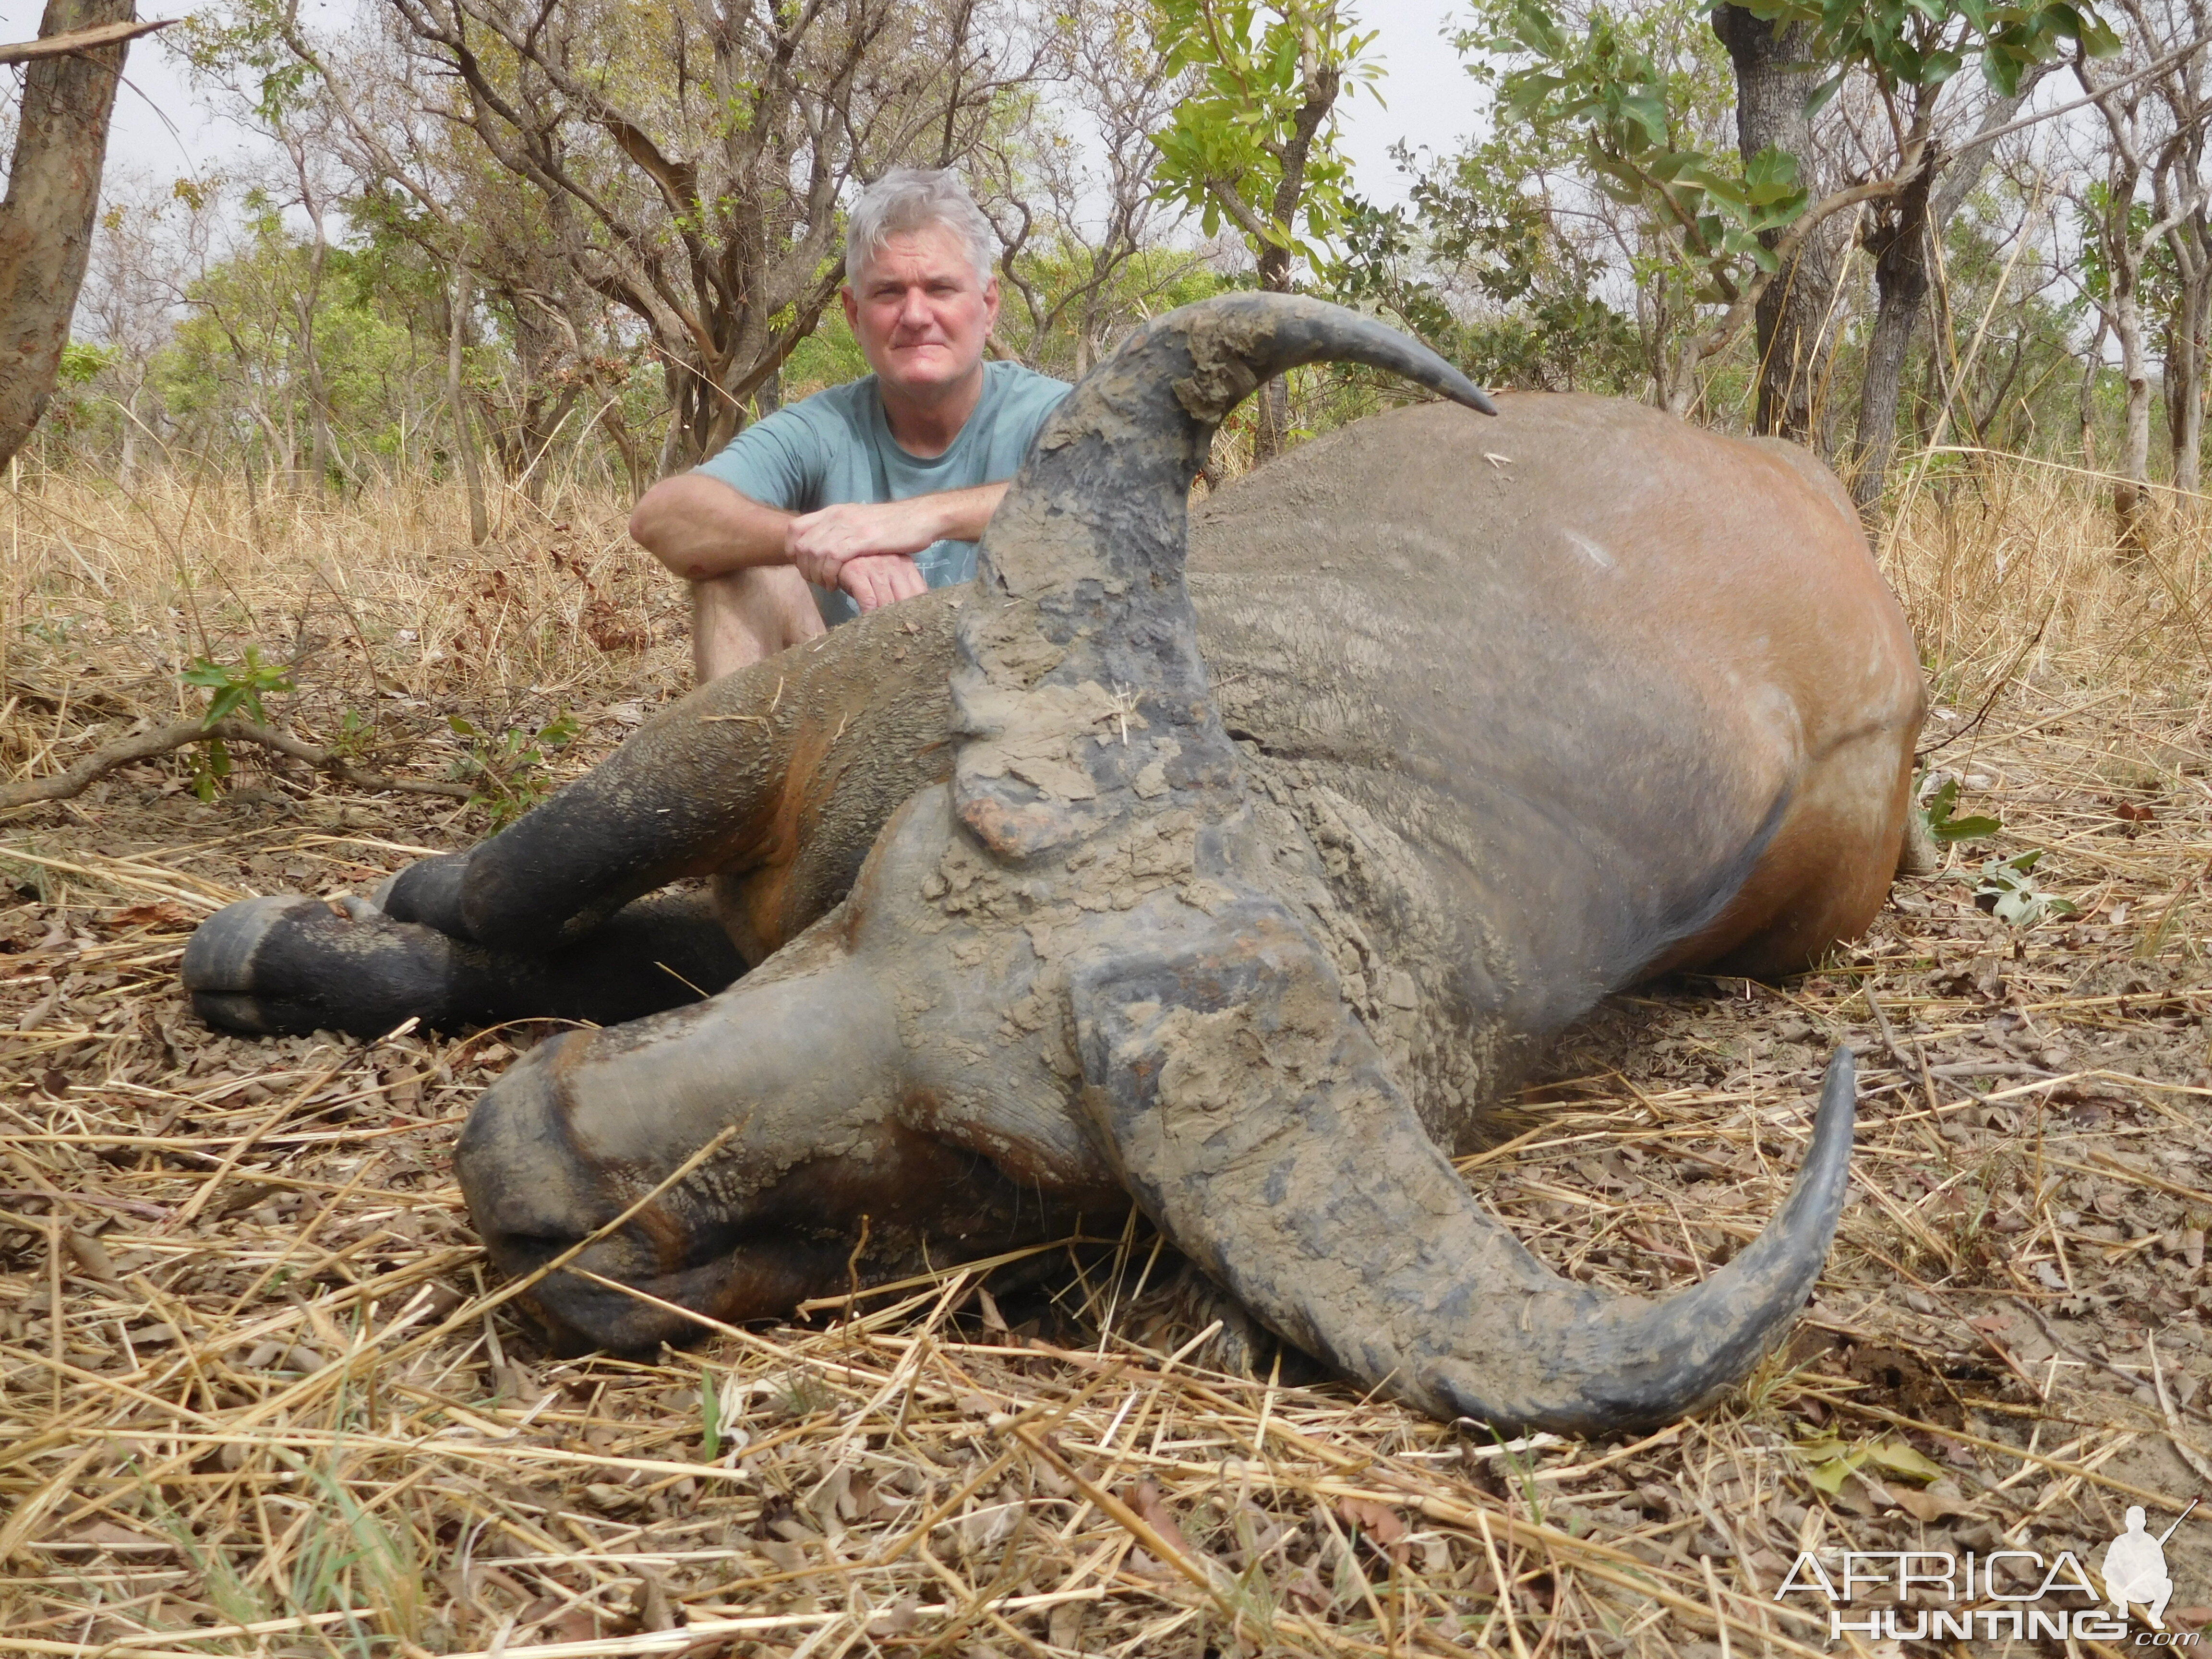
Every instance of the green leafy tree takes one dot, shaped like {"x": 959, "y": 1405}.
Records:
{"x": 1735, "y": 222}
{"x": 1511, "y": 256}
{"x": 236, "y": 374}
{"x": 1478, "y": 266}
{"x": 1251, "y": 143}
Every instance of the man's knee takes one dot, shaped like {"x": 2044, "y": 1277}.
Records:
{"x": 748, "y": 615}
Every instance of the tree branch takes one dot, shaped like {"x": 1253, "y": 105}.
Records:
{"x": 60, "y": 46}
{"x": 1716, "y": 339}
{"x": 165, "y": 739}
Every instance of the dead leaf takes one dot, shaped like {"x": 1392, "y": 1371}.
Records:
{"x": 785, "y": 1558}
{"x": 1932, "y": 1504}
{"x": 993, "y": 1319}
{"x": 1146, "y": 1498}
{"x": 653, "y": 1609}
{"x": 577, "y": 1625}
{"x": 1306, "y": 1591}
{"x": 1064, "y": 1628}
{"x": 166, "y": 913}
{"x": 1852, "y": 1496}
{"x": 1377, "y": 1522}
{"x": 91, "y": 1256}
{"x": 901, "y": 1617}
{"x": 1382, "y": 1524}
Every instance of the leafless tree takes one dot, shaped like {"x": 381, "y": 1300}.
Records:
{"x": 689, "y": 160}
{"x": 150, "y": 236}
{"x": 1902, "y": 233}
{"x": 1065, "y": 178}
{"x": 2155, "y": 108}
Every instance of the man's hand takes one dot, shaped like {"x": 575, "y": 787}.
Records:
{"x": 875, "y": 579}
{"x": 827, "y": 545}
{"x": 822, "y": 543}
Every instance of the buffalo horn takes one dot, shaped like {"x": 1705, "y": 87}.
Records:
{"x": 1245, "y": 1107}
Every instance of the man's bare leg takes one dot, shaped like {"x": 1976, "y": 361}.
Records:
{"x": 747, "y": 614}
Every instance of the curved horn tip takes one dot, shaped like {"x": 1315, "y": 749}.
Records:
{"x": 1264, "y": 334}
{"x": 1838, "y": 1115}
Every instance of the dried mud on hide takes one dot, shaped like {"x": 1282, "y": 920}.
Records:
{"x": 259, "y": 1393}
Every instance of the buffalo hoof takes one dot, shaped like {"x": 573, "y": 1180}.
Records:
{"x": 428, "y": 891}
{"x": 286, "y": 963}
{"x": 273, "y": 966}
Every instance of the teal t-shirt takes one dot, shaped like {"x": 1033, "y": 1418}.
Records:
{"x": 836, "y": 446}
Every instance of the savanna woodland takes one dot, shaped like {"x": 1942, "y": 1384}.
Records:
{"x": 315, "y": 562}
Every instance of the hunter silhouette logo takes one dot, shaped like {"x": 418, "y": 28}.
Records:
{"x": 2007, "y": 1594}
{"x": 2135, "y": 1567}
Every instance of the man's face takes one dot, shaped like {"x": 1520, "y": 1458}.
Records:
{"x": 919, "y": 313}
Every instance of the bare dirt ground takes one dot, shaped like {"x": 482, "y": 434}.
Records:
{"x": 259, "y": 1392}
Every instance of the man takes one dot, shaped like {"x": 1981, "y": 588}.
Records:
{"x": 874, "y": 491}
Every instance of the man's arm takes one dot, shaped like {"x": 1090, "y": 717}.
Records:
{"x": 700, "y": 527}
{"x": 822, "y": 543}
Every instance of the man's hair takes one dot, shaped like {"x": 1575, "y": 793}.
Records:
{"x": 909, "y": 199}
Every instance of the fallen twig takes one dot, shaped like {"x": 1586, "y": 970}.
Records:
{"x": 178, "y": 734}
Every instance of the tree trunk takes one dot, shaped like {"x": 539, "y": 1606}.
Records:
{"x": 1903, "y": 242}
{"x": 126, "y": 465}
{"x": 304, "y": 306}
{"x": 53, "y": 195}
{"x": 465, "y": 450}
{"x": 1898, "y": 243}
{"x": 2090, "y": 362}
{"x": 2185, "y": 346}
{"x": 626, "y": 448}
{"x": 2131, "y": 503}
{"x": 1792, "y": 316}
{"x": 1318, "y": 84}
{"x": 1272, "y": 409}
{"x": 2184, "y": 387}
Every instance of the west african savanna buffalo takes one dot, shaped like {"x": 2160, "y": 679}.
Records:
{"x": 1236, "y": 898}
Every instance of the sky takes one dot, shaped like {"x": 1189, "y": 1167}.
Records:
{"x": 1425, "y": 98}
{"x": 163, "y": 124}
{"x": 158, "y": 122}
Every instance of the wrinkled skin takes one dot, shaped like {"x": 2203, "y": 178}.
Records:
{"x": 1492, "y": 717}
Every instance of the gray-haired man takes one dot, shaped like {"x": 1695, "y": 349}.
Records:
{"x": 873, "y": 491}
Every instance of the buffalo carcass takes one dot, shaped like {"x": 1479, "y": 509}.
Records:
{"x": 1235, "y": 898}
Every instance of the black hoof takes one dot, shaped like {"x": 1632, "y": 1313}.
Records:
{"x": 428, "y": 891}
{"x": 275, "y": 966}
{"x": 285, "y": 964}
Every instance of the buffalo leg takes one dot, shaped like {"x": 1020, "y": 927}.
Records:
{"x": 733, "y": 1158}
{"x": 289, "y": 963}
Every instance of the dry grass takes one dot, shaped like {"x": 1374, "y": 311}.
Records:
{"x": 258, "y": 1395}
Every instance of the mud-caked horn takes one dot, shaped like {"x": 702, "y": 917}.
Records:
{"x": 1310, "y": 1193}
{"x": 1245, "y": 1107}
{"x": 1080, "y": 695}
